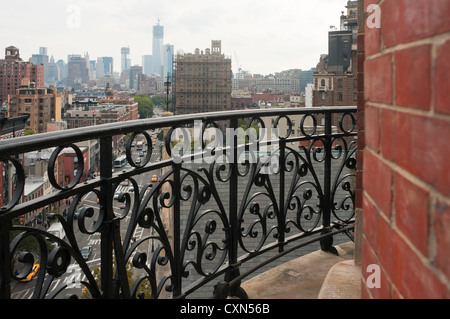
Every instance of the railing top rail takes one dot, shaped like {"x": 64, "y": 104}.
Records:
{"x": 51, "y": 139}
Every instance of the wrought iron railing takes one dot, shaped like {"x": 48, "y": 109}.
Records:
{"x": 219, "y": 191}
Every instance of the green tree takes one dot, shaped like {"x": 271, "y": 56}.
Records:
{"x": 28, "y": 131}
{"x": 144, "y": 289}
{"x": 145, "y": 106}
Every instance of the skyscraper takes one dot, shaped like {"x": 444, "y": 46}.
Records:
{"x": 158, "y": 39}
{"x": 126, "y": 62}
{"x": 134, "y": 73}
{"x": 168, "y": 56}
{"x": 78, "y": 70}
{"x": 104, "y": 66}
{"x": 147, "y": 64}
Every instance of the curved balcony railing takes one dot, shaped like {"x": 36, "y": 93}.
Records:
{"x": 219, "y": 191}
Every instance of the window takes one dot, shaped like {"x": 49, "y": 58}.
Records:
{"x": 340, "y": 96}
{"x": 340, "y": 83}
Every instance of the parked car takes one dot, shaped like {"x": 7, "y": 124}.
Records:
{"x": 33, "y": 273}
{"x": 86, "y": 252}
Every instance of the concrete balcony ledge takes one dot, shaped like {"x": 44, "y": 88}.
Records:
{"x": 318, "y": 275}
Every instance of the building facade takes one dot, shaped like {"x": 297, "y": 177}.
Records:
{"x": 157, "y": 48}
{"x": 42, "y": 104}
{"x": 202, "y": 81}
{"x": 335, "y": 78}
{"x": 135, "y": 71}
{"x": 77, "y": 71}
{"x": 125, "y": 60}
{"x": 13, "y": 70}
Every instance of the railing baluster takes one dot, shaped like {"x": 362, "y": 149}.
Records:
{"x": 177, "y": 254}
{"x": 106, "y": 210}
{"x": 281, "y": 215}
{"x": 5, "y": 264}
{"x": 233, "y": 232}
{"x": 326, "y": 243}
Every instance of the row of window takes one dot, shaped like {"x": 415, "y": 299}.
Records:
{"x": 340, "y": 96}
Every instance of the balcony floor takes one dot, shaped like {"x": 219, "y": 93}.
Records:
{"x": 304, "y": 277}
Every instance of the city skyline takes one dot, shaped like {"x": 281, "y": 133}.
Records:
{"x": 260, "y": 37}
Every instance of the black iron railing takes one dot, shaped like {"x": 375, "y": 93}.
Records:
{"x": 218, "y": 192}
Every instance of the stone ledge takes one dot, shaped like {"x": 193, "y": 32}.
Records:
{"x": 342, "y": 282}
{"x": 300, "y": 278}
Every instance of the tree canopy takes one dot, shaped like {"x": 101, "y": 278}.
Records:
{"x": 145, "y": 106}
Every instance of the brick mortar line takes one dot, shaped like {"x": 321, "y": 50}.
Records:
{"x": 426, "y": 261}
{"x": 409, "y": 176}
{"x": 438, "y": 40}
{"x": 432, "y": 114}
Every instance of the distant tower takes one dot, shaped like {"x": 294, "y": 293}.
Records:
{"x": 158, "y": 39}
{"x": 125, "y": 59}
{"x": 168, "y": 57}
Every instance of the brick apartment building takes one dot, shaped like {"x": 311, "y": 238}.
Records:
{"x": 43, "y": 105}
{"x": 13, "y": 70}
{"x": 202, "y": 81}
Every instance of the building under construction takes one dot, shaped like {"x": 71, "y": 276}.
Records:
{"x": 202, "y": 81}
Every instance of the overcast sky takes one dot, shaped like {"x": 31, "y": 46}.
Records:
{"x": 261, "y": 36}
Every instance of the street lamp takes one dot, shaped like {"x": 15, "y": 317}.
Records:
{"x": 167, "y": 85}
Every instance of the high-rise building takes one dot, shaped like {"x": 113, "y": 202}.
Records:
{"x": 168, "y": 56}
{"x": 158, "y": 40}
{"x": 202, "y": 81}
{"x": 53, "y": 72}
{"x": 147, "y": 64}
{"x": 104, "y": 66}
{"x": 134, "y": 73}
{"x": 78, "y": 70}
{"x": 13, "y": 70}
{"x": 306, "y": 77}
{"x": 41, "y": 58}
{"x": 126, "y": 61}
{"x": 62, "y": 69}
{"x": 335, "y": 80}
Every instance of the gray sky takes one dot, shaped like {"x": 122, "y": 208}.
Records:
{"x": 261, "y": 36}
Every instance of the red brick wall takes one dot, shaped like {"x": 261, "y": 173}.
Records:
{"x": 406, "y": 160}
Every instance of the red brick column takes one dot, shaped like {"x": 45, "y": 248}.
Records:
{"x": 406, "y": 160}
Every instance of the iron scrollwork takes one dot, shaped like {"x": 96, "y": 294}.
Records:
{"x": 210, "y": 210}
